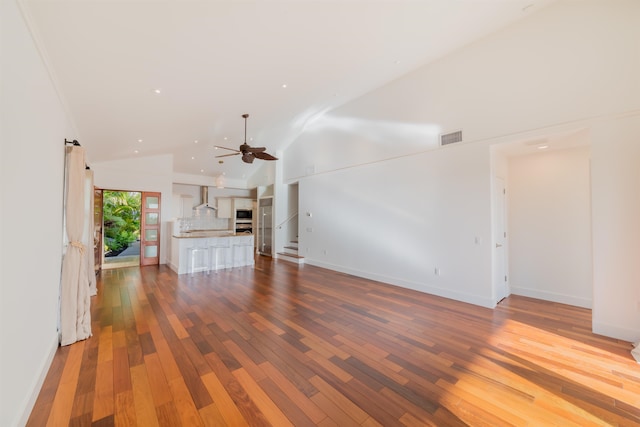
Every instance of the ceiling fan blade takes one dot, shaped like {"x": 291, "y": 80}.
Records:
{"x": 225, "y": 148}
{"x": 249, "y": 153}
{"x": 265, "y": 156}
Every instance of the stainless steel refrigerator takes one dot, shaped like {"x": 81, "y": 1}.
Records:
{"x": 265, "y": 226}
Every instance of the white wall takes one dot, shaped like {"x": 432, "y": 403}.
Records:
{"x": 616, "y": 227}
{"x": 263, "y": 176}
{"x": 395, "y": 219}
{"x": 569, "y": 61}
{"x": 550, "y": 226}
{"x": 189, "y": 179}
{"x": 34, "y": 126}
{"x": 291, "y": 224}
{"x": 153, "y": 173}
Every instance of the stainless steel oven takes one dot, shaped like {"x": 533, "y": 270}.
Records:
{"x": 244, "y": 227}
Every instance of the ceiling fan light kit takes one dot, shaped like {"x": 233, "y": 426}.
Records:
{"x": 249, "y": 153}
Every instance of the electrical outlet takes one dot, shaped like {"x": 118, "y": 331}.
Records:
{"x": 324, "y": 252}
{"x": 436, "y": 271}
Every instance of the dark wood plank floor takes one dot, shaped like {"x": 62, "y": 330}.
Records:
{"x": 285, "y": 345}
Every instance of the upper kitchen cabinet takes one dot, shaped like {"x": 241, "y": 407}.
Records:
{"x": 242, "y": 204}
{"x": 182, "y": 205}
{"x": 224, "y": 207}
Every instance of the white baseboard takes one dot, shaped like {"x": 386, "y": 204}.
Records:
{"x": 612, "y": 331}
{"x": 420, "y": 287}
{"x": 552, "y": 296}
{"x": 30, "y": 401}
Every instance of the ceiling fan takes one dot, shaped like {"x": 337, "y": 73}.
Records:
{"x": 249, "y": 154}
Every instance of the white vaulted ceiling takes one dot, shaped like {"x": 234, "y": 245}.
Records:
{"x": 212, "y": 61}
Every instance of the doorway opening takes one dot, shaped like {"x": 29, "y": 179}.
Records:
{"x": 121, "y": 228}
{"x": 548, "y": 217}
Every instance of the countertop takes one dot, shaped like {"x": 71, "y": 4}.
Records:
{"x": 209, "y": 233}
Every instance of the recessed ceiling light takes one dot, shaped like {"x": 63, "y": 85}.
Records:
{"x": 195, "y": 142}
{"x": 201, "y": 170}
{"x": 225, "y": 138}
{"x": 284, "y": 86}
{"x": 193, "y": 158}
{"x": 542, "y": 147}
{"x": 397, "y": 62}
{"x": 135, "y": 151}
{"x": 157, "y": 90}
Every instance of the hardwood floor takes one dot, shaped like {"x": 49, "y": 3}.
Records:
{"x": 281, "y": 345}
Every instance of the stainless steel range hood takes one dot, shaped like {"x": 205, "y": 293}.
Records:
{"x": 204, "y": 199}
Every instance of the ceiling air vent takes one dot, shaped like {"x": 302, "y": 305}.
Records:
{"x": 451, "y": 138}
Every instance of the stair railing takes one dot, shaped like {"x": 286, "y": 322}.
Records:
{"x": 289, "y": 218}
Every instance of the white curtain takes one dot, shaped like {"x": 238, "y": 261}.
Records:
{"x": 89, "y": 231}
{"x": 75, "y": 314}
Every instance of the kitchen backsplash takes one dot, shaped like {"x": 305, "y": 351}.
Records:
{"x": 202, "y": 222}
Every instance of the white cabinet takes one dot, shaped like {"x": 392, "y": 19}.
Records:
{"x": 233, "y": 251}
{"x": 224, "y": 207}
{"x": 242, "y": 204}
{"x": 184, "y": 205}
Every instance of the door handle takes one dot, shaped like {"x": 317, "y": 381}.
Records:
{"x": 498, "y": 245}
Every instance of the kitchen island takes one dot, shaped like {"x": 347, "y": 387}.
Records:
{"x": 224, "y": 249}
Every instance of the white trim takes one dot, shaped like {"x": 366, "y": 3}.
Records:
{"x": 636, "y": 352}
{"x": 420, "y": 287}
{"x": 35, "y": 388}
{"x": 616, "y": 332}
{"x": 552, "y": 296}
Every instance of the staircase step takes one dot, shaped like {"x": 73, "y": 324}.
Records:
{"x": 297, "y": 259}
{"x": 294, "y": 248}
{"x": 291, "y": 255}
